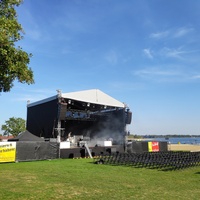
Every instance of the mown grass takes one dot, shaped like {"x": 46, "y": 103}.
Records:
{"x": 81, "y": 179}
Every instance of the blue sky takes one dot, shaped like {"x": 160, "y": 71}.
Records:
{"x": 141, "y": 52}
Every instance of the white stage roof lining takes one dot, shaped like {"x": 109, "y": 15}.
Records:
{"x": 95, "y": 96}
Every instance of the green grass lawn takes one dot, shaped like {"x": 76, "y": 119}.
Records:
{"x": 81, "y": 179}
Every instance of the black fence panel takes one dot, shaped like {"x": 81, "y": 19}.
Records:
{"x": 28, "y": 151}
{"x": 163, "y": 146}
{"x": 142, "y": 146}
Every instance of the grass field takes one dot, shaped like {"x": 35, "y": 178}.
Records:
{"x": 81, "y": 179}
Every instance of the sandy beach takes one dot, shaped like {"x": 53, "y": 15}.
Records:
{"x": 183, "y": 147}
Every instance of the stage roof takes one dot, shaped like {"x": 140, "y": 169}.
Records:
{"x": 95, "y": 96}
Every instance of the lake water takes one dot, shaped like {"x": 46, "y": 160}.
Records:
{"x": 182, "y": 140}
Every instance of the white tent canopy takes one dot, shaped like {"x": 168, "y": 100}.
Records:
{"x": 94, "y": 96}
{"x": 90, "y": 96}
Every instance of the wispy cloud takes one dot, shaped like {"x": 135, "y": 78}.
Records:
{"x": 171, "y": 73}
{"x": 112, "y": 57}
{"x": 159, "y": 35}
{"x": 173, "y": 53}
{"x": 180, "y": 32}
{"x": 31, "y": 27}
{"x": 150, "y": 72}
{"x": 148, "y": 53}
{"x": 125, "y": 86}
{"x": 172, "y": 33}
{"x": 195, "y": 77}
{"x": 172, "y": 39}
{"x": 33, "y": 95}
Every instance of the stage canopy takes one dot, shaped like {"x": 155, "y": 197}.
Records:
{"x": 89, "y": 113}
{"x": 94, "y": 96}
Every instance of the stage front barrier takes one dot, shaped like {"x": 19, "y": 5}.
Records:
{"x": 146, "y": 146}
{"x": 28, "y": 151}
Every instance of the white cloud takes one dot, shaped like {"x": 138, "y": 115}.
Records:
{"x": 112, "y": 57}
{"x": 173, "y": 53}
{"x": 125, "y": 85}
{"x": 195, "y": 77}
{"x": 30, "y": 25}
{"x": 148, "y": 53}
{"x": 172, "y": 33}
{"x": 167, "y": 73}
{"x": 33, "y": 95}
{"x": 180, "y": 32}
{"x": 159, "y": 35}
{"x": 155, "y": 72}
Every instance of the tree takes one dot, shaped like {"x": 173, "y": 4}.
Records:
{"x": 14, "y": 126}
{"x": 13, "y": 60}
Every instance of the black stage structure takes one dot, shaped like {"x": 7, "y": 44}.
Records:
{"x": 89, "y": 115}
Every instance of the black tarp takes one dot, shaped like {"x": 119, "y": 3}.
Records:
{"x": 30, "y": 147}
{"x": 27, "y": 136}
{"x": 142, "y": 146}
{"x": 30, "y": 151}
